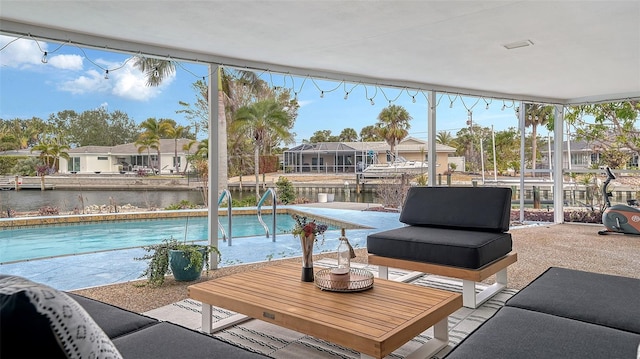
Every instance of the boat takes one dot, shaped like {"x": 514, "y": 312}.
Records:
{"x": 397, "y": 167}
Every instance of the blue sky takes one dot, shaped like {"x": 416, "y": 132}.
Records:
{"x": 73, "y": 79}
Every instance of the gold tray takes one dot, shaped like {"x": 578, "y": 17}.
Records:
{"x": 358, "y": 280}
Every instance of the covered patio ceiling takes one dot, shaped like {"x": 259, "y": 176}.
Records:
{"x": 578, "y": 51}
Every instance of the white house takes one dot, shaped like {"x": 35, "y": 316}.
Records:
{"x": 333, "y": 157}
{"x": 119, "y": 158}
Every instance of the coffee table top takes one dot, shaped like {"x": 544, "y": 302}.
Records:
{"x": 374, "y": 322}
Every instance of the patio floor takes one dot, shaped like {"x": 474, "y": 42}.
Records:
{"x": 576, "y": 246}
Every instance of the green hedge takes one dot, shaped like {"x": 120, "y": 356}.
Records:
{"x": 8, "y": 162}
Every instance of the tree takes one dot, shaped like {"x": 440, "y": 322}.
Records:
{"x": 445, "y": 138}
{"x": 348, "y": 135}
{"x": 536, "y": 115}
{"x": 393, "y": 125}
{"x": 176, "y": 132}
{"x": 154, "y": 130}
{"x": 51, "y": 149}
{"x": 94, "y": 127}
{"x": 320, "y": 136}
{"x": 147, "y": 142}
{"x": 370, "y": 134}
{"x": 613, "y": 127}
{"x": 263, "y": 120}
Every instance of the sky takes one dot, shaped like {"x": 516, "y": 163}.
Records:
{"x": 73, "y": 78}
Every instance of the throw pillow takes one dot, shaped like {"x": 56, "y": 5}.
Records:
{"x": 55, "y": 324}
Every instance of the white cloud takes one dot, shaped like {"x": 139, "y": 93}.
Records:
{"x": 20, "y": 53}
{"x": 66, "y": 62}
{"x": 92, "y": 81}
{"x": 124, "y": 81}
{"x": 130, "y": 83}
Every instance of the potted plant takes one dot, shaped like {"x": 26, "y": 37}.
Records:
{"x": 184, "y": 260}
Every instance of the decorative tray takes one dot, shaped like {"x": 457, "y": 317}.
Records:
{"x": 354, "y": 281}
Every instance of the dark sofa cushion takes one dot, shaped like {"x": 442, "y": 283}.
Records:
{"x": 602, "y": 299}
{"x": 520, "y": 333}
{"x": 37, "y": 321}
{"x": 114, "y": 321}
{"x": 167, "y": 340}
{"x": 471, "y": 208}
{"x": 458, "y": 248}
{"x": 25, "y": 333}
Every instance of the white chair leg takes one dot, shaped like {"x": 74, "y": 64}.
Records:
{"x": 383, "y": 272}
{"x": 469, "y": 293}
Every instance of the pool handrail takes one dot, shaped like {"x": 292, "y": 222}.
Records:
{"x": 264, "y": 197}
{"x": 225, "y": 193}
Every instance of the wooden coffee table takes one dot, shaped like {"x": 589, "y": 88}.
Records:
{"x": 374, "y": 322}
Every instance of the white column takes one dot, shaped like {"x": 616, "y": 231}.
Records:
{"x": 214, "y": 72}
{"x": 558, "y": 190}
{"x": 432, "y": 155}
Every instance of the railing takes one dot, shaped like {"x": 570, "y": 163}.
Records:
{"x": 225, "y": 193}
{"x": 264, "y": 197}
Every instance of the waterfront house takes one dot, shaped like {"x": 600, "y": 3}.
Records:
{"x": 354, "y": 157}
{"x": 126, "y": 158}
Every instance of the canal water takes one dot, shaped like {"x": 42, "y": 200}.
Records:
{"x": 68, "y": 200}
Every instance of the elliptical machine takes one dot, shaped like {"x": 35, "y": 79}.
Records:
{"x": 618, "y": 218}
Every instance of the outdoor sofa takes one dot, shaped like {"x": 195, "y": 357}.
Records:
{"x": 74, "y": 326}
{"x": 459, "y": 232}
{"x": 563, "y": 313}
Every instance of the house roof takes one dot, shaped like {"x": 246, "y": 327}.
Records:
{"x": 409, "y": 144}
{"x": 563, "y": 52}
{"x": 167, "y": 146}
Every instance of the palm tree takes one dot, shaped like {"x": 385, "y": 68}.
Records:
{"x": 264, "y": 120}
{"x": 147, "y": 142}
{"x": 155, "y": 70}
{"x": 393, "y": 125}
{"x": 536, "y": 115}
{"x": 176, "y": 132}
{"x": 444, "y": 138}
{"x": 157, "y": 130}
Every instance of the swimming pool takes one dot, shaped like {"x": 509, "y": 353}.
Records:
{"x": 59, "y": 240}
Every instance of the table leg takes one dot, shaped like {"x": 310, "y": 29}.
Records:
{"x": 207, "y": 323}
{"x": 439, "y": 341}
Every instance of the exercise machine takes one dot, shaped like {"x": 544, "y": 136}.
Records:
{"x": 618, "y": 218}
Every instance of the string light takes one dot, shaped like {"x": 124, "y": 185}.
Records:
{"x": 156, "y": 73}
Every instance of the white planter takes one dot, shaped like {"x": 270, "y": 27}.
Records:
{"x": 330, "y": 197}
{"x": 322, "y": 197}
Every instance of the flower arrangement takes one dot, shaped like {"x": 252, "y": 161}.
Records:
{"x": 305, "y": 228}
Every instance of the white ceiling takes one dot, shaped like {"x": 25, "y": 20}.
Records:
{"x": 583, "y": 51}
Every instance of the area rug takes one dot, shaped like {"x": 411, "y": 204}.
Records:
{"x": 278, "y": 342}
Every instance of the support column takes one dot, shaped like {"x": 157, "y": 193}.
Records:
{"x": 432, "y": 155}
{"x": 214, "y": 86}
{"x": 558, "y": 188}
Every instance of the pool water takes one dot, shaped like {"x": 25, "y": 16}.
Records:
{"x": 51, "y": 241}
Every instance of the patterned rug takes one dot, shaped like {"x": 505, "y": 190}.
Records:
{"x": 278, "y": 342}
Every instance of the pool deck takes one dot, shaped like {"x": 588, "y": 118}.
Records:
{"x": 117, "y": 266}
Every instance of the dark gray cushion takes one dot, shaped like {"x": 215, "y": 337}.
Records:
{"x": 114, "y": 321}
{"x": 519, "y": 333}
{"x": 167, "y": 340}
{"x": 602, "y": 299}
{"x": 466, "y": 249}
{"x": 472, "y": 208}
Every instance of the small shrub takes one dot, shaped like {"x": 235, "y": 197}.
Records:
{"x": 184, "y": 204}
{"x": 48, "y": 211}
{"x": 286, "y": 193}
